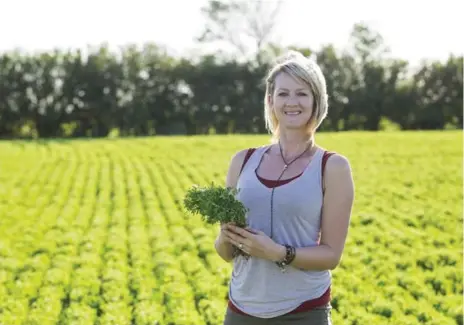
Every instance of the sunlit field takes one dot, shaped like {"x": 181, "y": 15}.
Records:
{"x": 93, "y": 231}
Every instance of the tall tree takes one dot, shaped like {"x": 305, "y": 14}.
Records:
{"x": 376, "y": 77}
{"x": 248, "y": 26}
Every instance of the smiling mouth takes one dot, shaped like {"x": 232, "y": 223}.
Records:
{"x": 293, "y": 113}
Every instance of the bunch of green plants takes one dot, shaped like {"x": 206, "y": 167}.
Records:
{"x": 215, "y": 204}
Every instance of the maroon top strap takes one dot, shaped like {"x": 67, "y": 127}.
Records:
{"x": 325, "y": 157}
{"x": 247, "y": 156}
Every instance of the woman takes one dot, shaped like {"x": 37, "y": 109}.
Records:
{"x": 299, "y": 198}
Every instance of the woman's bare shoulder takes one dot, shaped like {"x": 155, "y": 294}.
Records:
{"x": 337, "y": 169}
{"x": 337, "y": 162}
{"x": 235, "y": 165}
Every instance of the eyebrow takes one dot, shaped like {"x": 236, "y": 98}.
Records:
{"x": 288, "y": 90}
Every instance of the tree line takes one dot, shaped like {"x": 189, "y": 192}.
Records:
{"x": 146, "y": 91}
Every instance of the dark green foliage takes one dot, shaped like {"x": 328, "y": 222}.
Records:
{"x": 145, "y": 91}
{"x": 215, "y": 204}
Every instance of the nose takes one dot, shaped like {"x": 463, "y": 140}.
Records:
{"x": 292, "y": 101}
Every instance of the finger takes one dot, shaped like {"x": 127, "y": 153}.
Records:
{"x": 233, "y": 230}
{"x": 229, "y": 240}
{"x": 232, "y": 240}
{"x": 256, "y": 231}
{"x": 230, "y": 235}
{"x": 239, "y": 245}
{"x": 240, "y": 231}
{"x": 236, "y": 239}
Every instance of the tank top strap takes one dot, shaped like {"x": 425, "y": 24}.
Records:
{"x": 257, "y": 156}
{"x": 325, "y": 157}
{"x": 247, "y": 156}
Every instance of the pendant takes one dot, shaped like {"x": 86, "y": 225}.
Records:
{"x": 285, "y": 167}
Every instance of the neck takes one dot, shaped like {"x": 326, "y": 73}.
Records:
{"x": 293, "y": 144}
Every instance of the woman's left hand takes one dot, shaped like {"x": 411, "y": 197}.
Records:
{"x": 254, "y": 242}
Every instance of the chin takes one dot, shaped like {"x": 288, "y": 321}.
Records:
{"x": 294, "y": 124}
{"x": 294, "y": 127}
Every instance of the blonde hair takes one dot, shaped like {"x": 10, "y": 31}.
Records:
{"x": 308, "y": 71}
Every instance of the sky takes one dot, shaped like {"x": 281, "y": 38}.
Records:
{"x": 413, "y": 30}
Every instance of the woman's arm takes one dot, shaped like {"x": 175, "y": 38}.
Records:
{"x": 222, "y": 246}
{"x": 336, "y": 214}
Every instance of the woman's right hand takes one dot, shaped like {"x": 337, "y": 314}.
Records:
{"x": 222, "y": 235}
{"x": 224, "y": 248}
{"x": 222, "y": 245}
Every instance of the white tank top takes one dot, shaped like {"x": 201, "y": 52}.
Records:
{"x": 258, "y": 287}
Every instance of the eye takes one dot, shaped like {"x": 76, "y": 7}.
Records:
{"x": 302, "y": 94}
{"x": 282, "y": 94}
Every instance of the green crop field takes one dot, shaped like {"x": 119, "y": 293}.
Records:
{"x": 93, "y": 231}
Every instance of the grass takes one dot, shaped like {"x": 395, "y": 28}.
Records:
{"x": 93, "y": 231}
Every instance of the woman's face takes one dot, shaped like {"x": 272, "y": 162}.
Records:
{"x": 292, "y": 102}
